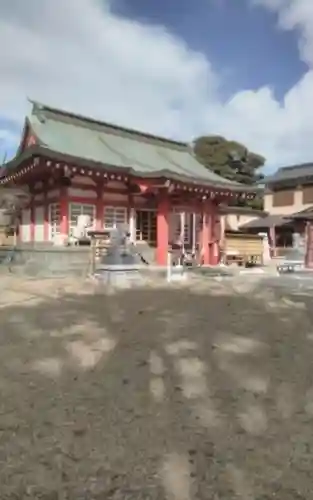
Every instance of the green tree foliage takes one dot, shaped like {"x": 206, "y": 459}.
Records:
{"x": 230, "y": 160}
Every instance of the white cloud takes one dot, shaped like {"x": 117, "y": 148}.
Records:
{"x": 77, "y": 55}
{"x": 295, "y": 14}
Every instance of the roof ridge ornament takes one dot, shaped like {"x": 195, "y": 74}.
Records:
{"x": 36, "y": 105}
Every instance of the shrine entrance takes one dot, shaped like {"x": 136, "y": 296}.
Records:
{"x": 146, "y": 226}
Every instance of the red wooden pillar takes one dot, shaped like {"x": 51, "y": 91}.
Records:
{"x": 215, "y": 235}
{"x": 99, "y": 216}
{"x": 205, "y": 233}
{"x": 162, "y": 224}
{"x": 207, "y": 236}
{"x": 220, "y": 235}
{"x": 46, "y": 213}
{"x": 99, "y": 208}
{"x": 64, "y": 213}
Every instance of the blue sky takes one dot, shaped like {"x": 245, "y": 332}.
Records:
{"x": 242, "y": 42}
{"x": 175, "y": 68}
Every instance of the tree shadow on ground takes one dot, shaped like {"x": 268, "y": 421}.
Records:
{"x": 160, "y": 393}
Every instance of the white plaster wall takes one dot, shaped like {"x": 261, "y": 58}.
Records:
{"x": 25, "y": 225}
{"x": 39, "y": 224}
{"x": 297, "y": 206}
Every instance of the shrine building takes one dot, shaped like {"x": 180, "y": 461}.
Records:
{"x": 74, "y": 165}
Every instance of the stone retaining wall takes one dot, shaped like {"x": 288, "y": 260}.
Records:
{"x": 44, "y": 260}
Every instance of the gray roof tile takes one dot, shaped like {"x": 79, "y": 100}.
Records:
{"x": 266, "y": 222}
{"x": 108, "y": 144}
{"x": 292, "y": 173}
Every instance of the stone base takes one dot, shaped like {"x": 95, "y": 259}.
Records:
{"x": 212, "y": 271}
{"x": 291, "y": 267}
{"x": 294, "y": 261}
{"x": 121, "y": 277}
{"x": 177, "y": 273}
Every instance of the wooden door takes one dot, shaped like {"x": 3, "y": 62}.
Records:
{"x": 146, "y": 226}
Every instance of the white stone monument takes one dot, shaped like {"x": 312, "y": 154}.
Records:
{"x": 80, "y": 230}
{"x": 266, "y": 249}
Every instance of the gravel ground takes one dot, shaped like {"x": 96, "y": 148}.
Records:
{"x": 199, "y": 391}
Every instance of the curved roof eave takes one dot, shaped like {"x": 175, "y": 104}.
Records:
{"x": 55, "y": 155}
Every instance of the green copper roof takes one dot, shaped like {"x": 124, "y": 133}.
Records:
{"x": 107, "y": 144}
